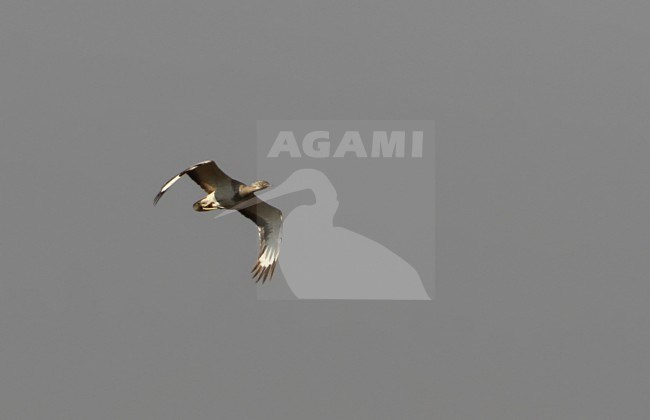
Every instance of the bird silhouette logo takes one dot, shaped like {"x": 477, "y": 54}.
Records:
{"x": 323, "y": 261}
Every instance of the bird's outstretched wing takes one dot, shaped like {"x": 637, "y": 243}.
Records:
{"x": 207, "y": 174}
{"x": 269, "y": 224}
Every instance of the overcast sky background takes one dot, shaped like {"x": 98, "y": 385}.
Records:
{"x": 111, "y": 310}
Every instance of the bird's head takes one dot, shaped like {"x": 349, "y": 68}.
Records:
{"x": 260, "y": 185}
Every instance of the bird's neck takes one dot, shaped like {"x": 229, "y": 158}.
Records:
{"x": 245, "y": 190}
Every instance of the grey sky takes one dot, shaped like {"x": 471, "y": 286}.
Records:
{"x": 111, "y": 309}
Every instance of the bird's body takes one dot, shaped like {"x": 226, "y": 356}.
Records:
{"x": 227, "y": 193}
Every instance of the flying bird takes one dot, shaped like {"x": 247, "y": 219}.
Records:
{"x": 227, "y": 193}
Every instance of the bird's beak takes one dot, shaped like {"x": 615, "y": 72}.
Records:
{"x": 284, "y": 188}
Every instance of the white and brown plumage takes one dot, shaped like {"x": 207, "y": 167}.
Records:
{"x": 227, "y": 193}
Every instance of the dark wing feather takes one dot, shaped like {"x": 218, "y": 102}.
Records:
{"x": 269, "y": 224}
{"x": 207, "y": 174}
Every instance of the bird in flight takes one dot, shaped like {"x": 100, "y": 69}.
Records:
{"x": 227, "y": 193}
